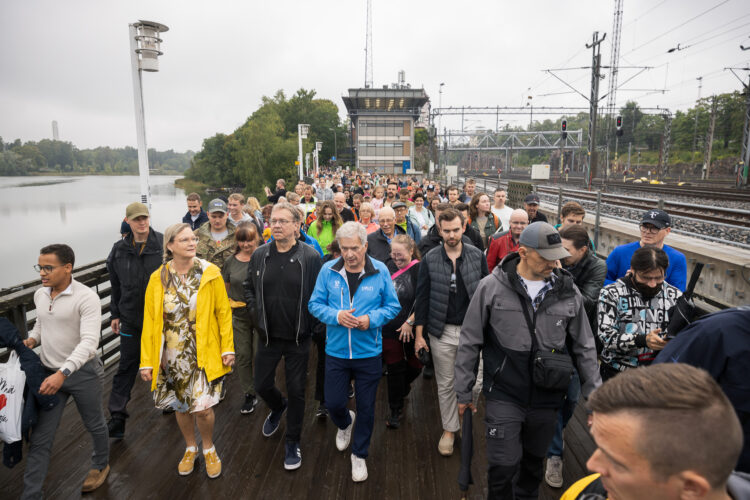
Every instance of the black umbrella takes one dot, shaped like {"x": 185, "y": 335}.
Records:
{"x": 467, "y": 450}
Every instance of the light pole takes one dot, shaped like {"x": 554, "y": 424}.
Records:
{"x": 302, "y": 130}
{"x": 145, "y": 48}
{"x": 335, "y": 146}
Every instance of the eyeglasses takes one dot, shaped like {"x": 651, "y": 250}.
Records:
{"x": 648, "y": 228}
{"x": 280, "y": 222}
{"x": 45, "y": 269}
{"x": 185, "y": 241}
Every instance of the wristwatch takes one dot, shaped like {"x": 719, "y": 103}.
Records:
{"x": 410, "y": 322}
{"x": 65, "y": 372}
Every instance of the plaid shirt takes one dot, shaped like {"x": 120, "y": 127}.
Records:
{"x": 548, "y": 284}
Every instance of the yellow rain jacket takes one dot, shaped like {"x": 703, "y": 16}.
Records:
{"x": 213, "y": 324}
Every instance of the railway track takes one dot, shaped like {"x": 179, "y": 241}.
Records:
{"x": 694, "y": 191}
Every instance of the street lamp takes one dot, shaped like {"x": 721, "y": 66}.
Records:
{"x": 335, "y": 146}
{"x": 145, "y": 48}
{"x": 302, "y": 130}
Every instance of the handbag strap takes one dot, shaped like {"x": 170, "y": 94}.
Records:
{"x": 529, "y": 323}
{"x": 402, "y": 271}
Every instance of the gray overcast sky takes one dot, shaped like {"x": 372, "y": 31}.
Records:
{"x": 69, "y": 61}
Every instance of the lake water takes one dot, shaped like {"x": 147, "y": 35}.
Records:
{"x": 83, "y": 212}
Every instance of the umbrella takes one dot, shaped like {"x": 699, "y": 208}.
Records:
{"x": 467, "y": 450}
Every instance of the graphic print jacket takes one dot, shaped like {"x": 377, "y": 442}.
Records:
{"x": 625, "y": 317}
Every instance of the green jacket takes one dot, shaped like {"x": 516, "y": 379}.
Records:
{"x": 216, "y": 252}
{"x": 324, "y": 236}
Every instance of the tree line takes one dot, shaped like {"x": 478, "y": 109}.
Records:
{"x": 265, "y": 147}
{"x": 60, "y": 157}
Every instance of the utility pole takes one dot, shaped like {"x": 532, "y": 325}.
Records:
{"x": 745, "y": 157}
{"x": 710, "y": 139}
{"x": 596, "y": 60}
{"x": 695, "y": 127}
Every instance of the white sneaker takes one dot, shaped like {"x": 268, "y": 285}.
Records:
{"x": 553, "y": 474}
{"x": 344, "y": 436}
{"x": 359, "y": 469}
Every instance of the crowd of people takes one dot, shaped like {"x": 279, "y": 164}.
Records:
{"x": 403, "y": 278}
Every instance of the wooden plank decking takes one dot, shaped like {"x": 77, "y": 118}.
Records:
{"x": 403, "y": 463}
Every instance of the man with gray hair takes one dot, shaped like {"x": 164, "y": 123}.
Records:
{"x": 354, "y": 297}
{"x": 280, "y": 279}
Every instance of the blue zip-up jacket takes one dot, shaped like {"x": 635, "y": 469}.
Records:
{"x": 374, "y": 297}
{"x": 618, "y": 263}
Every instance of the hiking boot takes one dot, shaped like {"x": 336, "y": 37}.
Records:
{"x": 394, "y": 421}
{"x": 273, "y": 420}
{"x": 187, "y": 464}
{"x": 344, "y": 436}
{"x": 249, "y": 406}
{"x": 94, "y": 479}
{"x": 213, "y": 464}
{"x": 292, "y": 456}
{"x": 116, "y": 427}
{"x": 359, "y": 469}
{"x": 445, "y": 446}
{"x": 321, "y": 412}
{"x": 553, "y": 473}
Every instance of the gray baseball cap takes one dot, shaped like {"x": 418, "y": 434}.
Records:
{"x": 545, "y": 239}
{"x": 217, "y": 205}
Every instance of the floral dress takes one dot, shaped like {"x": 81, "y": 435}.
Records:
{"x": 181, "y": 385}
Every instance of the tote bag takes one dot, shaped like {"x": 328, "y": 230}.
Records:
{"x": 12, "y": 381}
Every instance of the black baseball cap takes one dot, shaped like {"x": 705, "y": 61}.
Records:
{"x": 531, "y": 199}
{"x": 657, "y": 218}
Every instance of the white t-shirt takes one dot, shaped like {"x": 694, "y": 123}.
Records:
{"x": 504, "y": 215}
{"x": 533, "y": 287}
{"x": 220, "y": 236}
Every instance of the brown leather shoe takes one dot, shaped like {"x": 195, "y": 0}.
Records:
{"x": 94, "y": 479}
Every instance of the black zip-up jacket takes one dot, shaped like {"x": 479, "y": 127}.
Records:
{"x": 379, "y": 249}
{"x": 195, "y": 224}
{"x": 129, "y": 272}
{"x": 588, "y": 276}
{"x": 309, "y": 260}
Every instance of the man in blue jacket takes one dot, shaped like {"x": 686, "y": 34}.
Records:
{"x": 354, "y": 297}
{"x": 655, "y": 226}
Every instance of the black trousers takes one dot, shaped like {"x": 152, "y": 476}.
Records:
{"x": 320, "y": 369}
{"x": 127, "y": 371}
{"x": 517, "y": 441}
{"x": 295, "y": 370}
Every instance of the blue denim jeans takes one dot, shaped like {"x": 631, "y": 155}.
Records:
{"x": 566, "y": 412}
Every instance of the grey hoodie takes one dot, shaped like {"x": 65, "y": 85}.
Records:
{"x": 561, "y": 324}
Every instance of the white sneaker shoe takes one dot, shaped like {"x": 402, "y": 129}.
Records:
{"x": 344, "y": 436}
{"x": 359, "y": 469}
{"x": 553, "y": 474}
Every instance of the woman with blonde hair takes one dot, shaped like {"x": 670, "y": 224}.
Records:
{"x": 366, "y": 216}
{"x": 186, "y": 344}
{"x": 254, "y": 205}
{"x": 328, "y": 221}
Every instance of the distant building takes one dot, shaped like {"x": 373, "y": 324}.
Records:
{"x": 382, "y": 122}
{"x": 55, "y": 132}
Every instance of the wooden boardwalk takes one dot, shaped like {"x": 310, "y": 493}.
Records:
{"x": 403, "y": 463}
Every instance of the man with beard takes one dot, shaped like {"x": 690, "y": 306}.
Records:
{"x": 448, "y": 277}
{"x": 531, "y": 205}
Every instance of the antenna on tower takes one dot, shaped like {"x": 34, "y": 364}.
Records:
{"x": 368, "y": 47}
{"x": 614, "y": 63}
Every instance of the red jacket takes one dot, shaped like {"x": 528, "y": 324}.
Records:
{"x": 499, "y": 248}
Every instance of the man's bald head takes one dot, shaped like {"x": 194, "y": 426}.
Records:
{"x": 519, "y": 219}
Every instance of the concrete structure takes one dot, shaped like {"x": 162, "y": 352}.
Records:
{"x": 55, "y": 131}
{"x": 382, "y": 122}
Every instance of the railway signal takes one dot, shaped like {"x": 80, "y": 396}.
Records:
{"x": 618, "y": 122}
{"x": 564, "y": 128}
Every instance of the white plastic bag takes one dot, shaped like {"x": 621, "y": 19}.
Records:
{"x": 12, "y": 381}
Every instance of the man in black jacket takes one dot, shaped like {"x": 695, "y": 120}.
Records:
{"x": 588, "y": 273}
{"x": 379, "y": 242}
{"x": 195, "y": 215}
{"x": 281, "y": 277}
{"x": 448, "y": 276}
{"x": 433, "y": 238}
{"x": 469, "y": 231}
{"x": 130, "y": 264}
